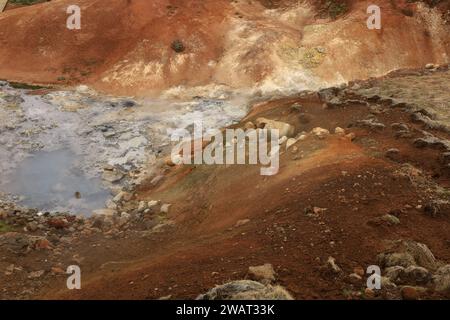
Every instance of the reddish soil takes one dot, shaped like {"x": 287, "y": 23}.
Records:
{"x": 124, "y": 47}
{"x": 353, "y": 180}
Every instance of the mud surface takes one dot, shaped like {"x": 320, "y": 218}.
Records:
{"x": 374, "y": 190}
{"x": 70, "y": 137}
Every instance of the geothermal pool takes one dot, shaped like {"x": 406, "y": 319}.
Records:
{"x": 55, "y": 145}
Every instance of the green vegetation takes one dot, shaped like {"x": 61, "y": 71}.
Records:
{"x": 4, "y": 227}
{"x": 19, "y": 85}
{"x": 25, "y": 2}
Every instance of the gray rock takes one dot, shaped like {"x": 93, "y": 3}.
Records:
{"x": 421, "y": 254}
{"x": 441, "y": 279}
{"x": 142, "y": 206}
{"x": 246, "y": 290}
{"x": 332, "y": 266}
{"x": 264, "y": 273}
{"x": 32, "y": 226}
{"x": 112, "y": 176}
{"x": 393, "y": 154}
{"x": 394, "y": 274}
{"x": 390, "y": 219}
{"x": 165, "y": 208}
{"x": 432, "y": 142}
{"x": 400, "y": 127}
{"x": 402, "y": 259}
{"x": 36, "y": 274}
{"x": 320, "y": 133}
{"x": 285, "y": 129}
{"x": 372, "y": 124}
{"x": 416, "y": 275}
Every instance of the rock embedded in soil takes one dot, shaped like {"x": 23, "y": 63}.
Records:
{"x": 264, "y": 273}
{"x": 332, "y": 266}
{"x": 409, "y": 293}
{"x": 393, "y": 154}
{"x": 112, "y": 176}
{"x": 285, "y": 129}
{"x": 390, "y": 219}
{"x": 320, "y": 133}
{"x": 165, "y": 208}
{"x": 441, "y": 279}
{"x": 246, "y": 290}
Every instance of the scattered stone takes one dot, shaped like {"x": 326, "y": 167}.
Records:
{"x": 142, "y": 206}
{"x": 165, "y": 208}
{"x": 340, "y": 131}
{"x": 282, "y": 140}
{"x": 351, "y": 136}
{"x": 369, "y": 293}
{"x": 355, "y": 278}
{"x": 387, "y": 284}
{"x": 104, "y": 212}
{"x": 320, "y": 133}
{"x": 441, "y": 279}
{"x": 264, "y": 273}
{"x": 359, "y": 271}
{"x": 156, "y": 179}
{"x": 396, "y": 259}
{"x": 394, "y": 273}
{"x": 430, "y": 66}
{"x": 32, "y": 226}
{"x": 390, "y": 219}
{"x": 401, "y": 127}
{"x": 409, "y": 293}
{"x": 110, "y": 204}
{"x": 249, "y": 125}
{"x": 122, "y": 196}
{"x": 109, "y": 134}
{"x": 422, "y": 254}
{"x": 432, "y": 142}
{"x": 58, "y": 223}
{"x": 290, "y": 142}
{"x": 416, "y": 275}
{"x": 408, "y": 253}
{"x": 57, "y": 270}
{"x": 42, "y": 244}
{"x": 297, "y": 107}
{"x": 318, "y": 210}
{"x": 128, "y": 103}
{"x": 332, "y": 266}
{"x": 36, "y": 274}
{"x": 372, "y": 124}
{"x": 393, "y": 154}
{"x": 328, "y": 94}
{"x": 177, "y": 46}
{"x": 445, "y": 157}
{"x": 242, "y": 222}
{"x": 432, "y": 209}
{"x": 246, "y": 290}
{"x": 112, "y": 176}
{"x": 285, "y": 129}
{"x": 305, "y": 118}
{"x": 152, "y": 204}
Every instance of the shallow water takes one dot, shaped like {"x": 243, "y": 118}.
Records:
{"x": 50, "y": 181}
{"x": 57, "y": 144}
